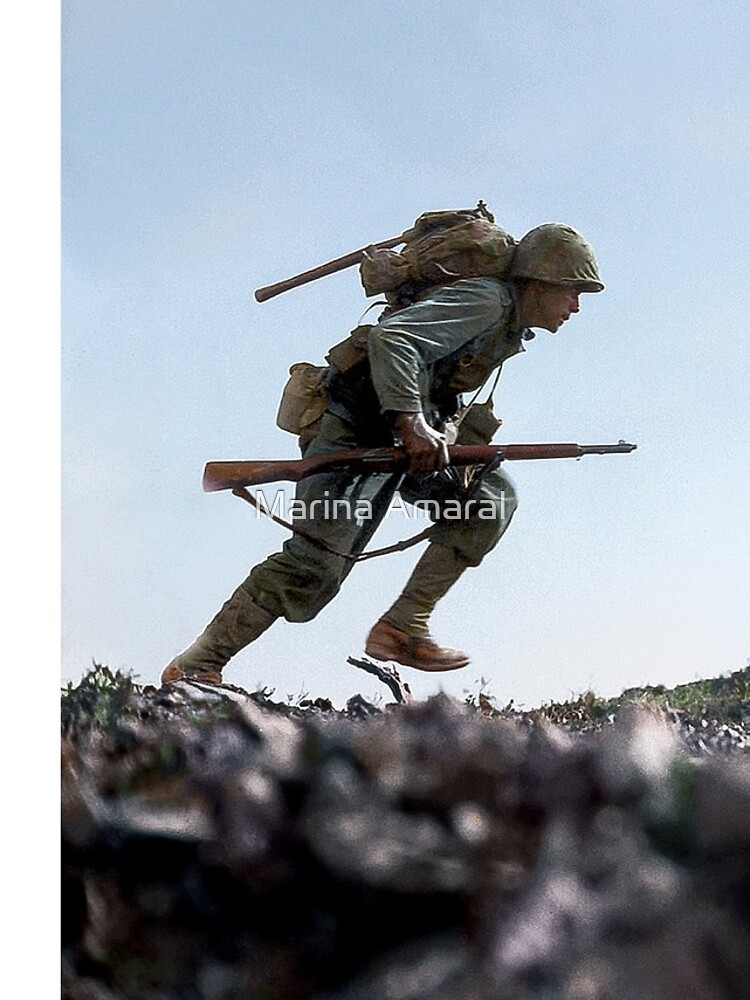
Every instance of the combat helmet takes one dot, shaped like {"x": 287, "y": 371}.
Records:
{"x": 558, "y": 254}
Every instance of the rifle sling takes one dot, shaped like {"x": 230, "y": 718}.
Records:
{"x": 407, "y": 543}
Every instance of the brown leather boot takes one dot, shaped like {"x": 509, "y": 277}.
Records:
{"x": 174, "y": 671}
{"x": 239, "y": 622}
{"x": 385, "y": 642}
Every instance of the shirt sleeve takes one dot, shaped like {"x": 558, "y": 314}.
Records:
{"x": 402, "y": 347}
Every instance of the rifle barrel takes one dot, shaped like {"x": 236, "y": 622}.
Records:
{"x": 230, "y": 475}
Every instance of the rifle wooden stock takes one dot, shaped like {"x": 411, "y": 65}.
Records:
{"x": 231, "y": 475}
{"x": 339, "y": 264}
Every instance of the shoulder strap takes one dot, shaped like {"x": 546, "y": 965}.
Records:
{"x": 407, "y": 543}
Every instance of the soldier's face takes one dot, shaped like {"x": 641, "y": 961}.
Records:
{"x": 548, "y": 306}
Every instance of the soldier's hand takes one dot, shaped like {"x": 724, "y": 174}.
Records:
{"x": 427, "y": 448}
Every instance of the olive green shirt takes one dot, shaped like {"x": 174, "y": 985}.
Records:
{"x": 449, "y": 342}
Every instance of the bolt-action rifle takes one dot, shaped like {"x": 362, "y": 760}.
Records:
{"x": 234, "y": 475}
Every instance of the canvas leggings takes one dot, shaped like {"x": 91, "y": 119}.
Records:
{"x": 299, "y": 581}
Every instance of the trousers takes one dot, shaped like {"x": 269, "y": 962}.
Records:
{"x": 346, "y": 509}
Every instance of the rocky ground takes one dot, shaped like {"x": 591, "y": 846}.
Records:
{"x": 219, "y": 846}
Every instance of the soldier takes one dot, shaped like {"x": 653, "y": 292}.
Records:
{"x": 421, "y": 358}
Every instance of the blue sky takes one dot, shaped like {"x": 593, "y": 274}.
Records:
{"x": 209, "y": 148}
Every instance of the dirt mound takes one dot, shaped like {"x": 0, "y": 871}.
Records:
{"x": 218, "y": 846}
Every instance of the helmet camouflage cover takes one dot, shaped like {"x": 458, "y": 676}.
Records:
{"x": 559, "y": 255}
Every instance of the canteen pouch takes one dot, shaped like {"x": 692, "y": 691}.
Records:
{"x": 474, "y": 425}
{"x": 477, "y": 424}
{"x": 303, "y": 401}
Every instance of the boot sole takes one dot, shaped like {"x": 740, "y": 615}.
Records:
{"x": 172, "y": 674}
{"x": 382, "y": 654}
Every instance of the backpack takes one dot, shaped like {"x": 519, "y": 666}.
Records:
{"x": 441, "y": 247}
